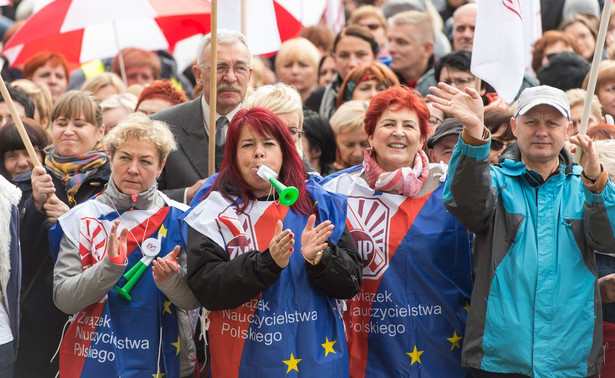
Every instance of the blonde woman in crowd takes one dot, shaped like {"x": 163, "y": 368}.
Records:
{"x": 285, "y": 102}
{"x": 41, "y": 98}
{"x": 605, "y": 86}
{"x": 104, "y": 85}
{"x": 576, "y": 98}
{"x": 372, "y": 18}
{"x": 116, "y": 108}
{"x": 348, "y": 126}
{"x": 297, "y": 65}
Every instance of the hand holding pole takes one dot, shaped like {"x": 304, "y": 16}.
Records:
{"x": 593, "y": 73}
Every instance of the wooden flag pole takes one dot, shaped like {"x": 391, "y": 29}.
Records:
{"x": 593, "y": 73}
{"x": 20, "y": 128}
{"x": 213, "y": 86}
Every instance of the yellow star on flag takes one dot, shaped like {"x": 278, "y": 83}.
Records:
{"x": 467, "y": 307}
{"x": 415, "y": 355}
{"x": 454, "y": 340}
{"x": 162, "y": 231}
{"x": 338, "y": 313}
{"x": 328, "y": 345}
{"x": 292, "y": 363}
{"x": 158, "y": 374}
{"x": 167, "y": 307}
{"x": 176, "y": 345}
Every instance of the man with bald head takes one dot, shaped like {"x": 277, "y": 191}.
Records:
{"x": 464, "y": 22}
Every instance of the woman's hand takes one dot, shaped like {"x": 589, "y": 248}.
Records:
{"x": 314, "y": 239}
{"x": 589, "y": 160}
{"x": 281, "y": 246}
{"x": 54, "y": 208}
{"x": 116, "y": 249}
{"x": 42, "y": 186}
{"x": 466, "y": 106}
{"x": 165, "y": 267}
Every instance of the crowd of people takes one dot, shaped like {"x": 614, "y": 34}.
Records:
{"x": 437, "y": 230}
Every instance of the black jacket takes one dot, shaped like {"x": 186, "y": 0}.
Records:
{"x": 42, "y": 322}
{"x": 220, "y": 283}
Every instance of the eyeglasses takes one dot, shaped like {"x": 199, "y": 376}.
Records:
{"x": 459, "y": 81}
{"x": 371, "y": 26}
{"x": 295, "y": 132}
{"x": 434, "y": 121}
{"x": 497, "y": 144}
{"x": 222, "y": 69}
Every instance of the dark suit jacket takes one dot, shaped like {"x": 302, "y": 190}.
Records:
{"x": 188, "y": 163}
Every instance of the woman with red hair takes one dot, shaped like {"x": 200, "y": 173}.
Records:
{"x": 409, "y": 318}
{"x": 552, "y": 42}
{"x": 50, "y": 69}
{"x": 159, "y": 95}
{"x": 270, "y": 274}
{"x": 364, "y": 81}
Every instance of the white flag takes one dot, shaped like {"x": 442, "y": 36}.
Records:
{"x": 505, "y": 33}
{"x": 334, "y": 15}
{"x": 261, "y": 23}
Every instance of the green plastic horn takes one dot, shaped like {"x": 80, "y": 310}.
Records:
{"x": 288, "y": 194}
{"x": 150, "y": 248}
{"x": 132, "y": 276}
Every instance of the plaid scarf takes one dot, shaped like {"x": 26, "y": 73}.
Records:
{"x": 405, "y": 180}
{"x": 74, "y": 170}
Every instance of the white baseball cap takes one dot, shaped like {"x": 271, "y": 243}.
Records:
{"x": 543, "y": 95}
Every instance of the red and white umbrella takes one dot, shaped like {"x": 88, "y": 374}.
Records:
{"x": 83, "y": 30}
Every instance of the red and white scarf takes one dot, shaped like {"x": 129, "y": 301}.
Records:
{"x": 406, "y": 181}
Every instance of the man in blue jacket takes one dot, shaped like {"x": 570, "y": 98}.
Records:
{"x": 538, "y": 218}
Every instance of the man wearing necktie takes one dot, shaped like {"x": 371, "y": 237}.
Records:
{"x": 221, "y": 127}
{"x": 186, "y": 168}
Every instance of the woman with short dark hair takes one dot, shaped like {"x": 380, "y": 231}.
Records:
{"x": 14, "y": 159}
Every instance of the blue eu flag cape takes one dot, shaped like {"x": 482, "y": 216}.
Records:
{"x": 116, "y": 337}
{"x": 292, "y": 328}
{"x": 408, "y": 320}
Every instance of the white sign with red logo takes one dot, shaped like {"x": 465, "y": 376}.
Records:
{"x": 368, "y": 221}
{"x": 151, "y": 247}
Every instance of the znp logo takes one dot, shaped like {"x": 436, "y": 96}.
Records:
{"x": 369, "y": 226}
{"x": 93, "y": 243}
{"x": 238, "y": 231}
